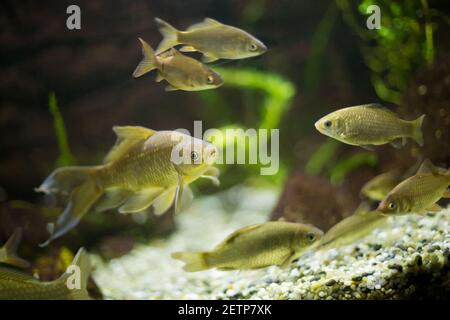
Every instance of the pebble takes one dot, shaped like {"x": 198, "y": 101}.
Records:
{"x": 374, "y": 268}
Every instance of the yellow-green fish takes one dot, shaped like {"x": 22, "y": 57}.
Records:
{"x": 351, "y": 229}
{"x": 419, "y": 193}
{"x": 370, "y": 125}
{"x": 16, "y": 285}
{"x": 145, "y": 168}
{"x": 214, "y": 39}
{"x": 180, "y": 71}
{"x": 253, "y": 247}
{"x": 379, "y": 186}
{"x": 8, "y": 253}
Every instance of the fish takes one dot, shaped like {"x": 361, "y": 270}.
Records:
{"x": 370, "y": 125}
{"x": 253, "y": 247}
{"x": 17, "y": 285}
{"x": 8, "y": 253}
{"x": 419, "y": 193}
{"x": 180, "y": 71}
{"x": 352, "y": 228}
{"x": 144, "y": 168}
{"x": 214, "y": 39}
{"x": 379, "y": 186}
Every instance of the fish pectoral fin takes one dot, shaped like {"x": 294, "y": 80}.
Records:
{"x": 290, "y": 256}
{"x": 127, "y": 137}
{"x": 179, "y": 194}
{"x": 186, "y": 198}
{"x": 164, "y": 201}
{"x": 141, "y": 200}
{"x": 111, "y": 199}
{"x": 434, "y": 208}
{"x": 159, "y": 77}
{"x": 188, "y": 49}
{"x": 398, "y": 143}
{"x": 206, "y": 23}
{"x": 170, "y": 88}
{"x": 368, "y": 147}
{"x": 214, "y": 180}
{"x": 208, "y": 58}
{"x": 212, "y": 174}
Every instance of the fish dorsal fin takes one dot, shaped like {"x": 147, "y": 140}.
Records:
{"x": 10, "y": 249}
{"x": 206, "y": 23}
{"x": 377, "y": 106}
{"x": 127, "y": 136}
{"x": 13, "y": 242}
{"x": 232, "y": 237}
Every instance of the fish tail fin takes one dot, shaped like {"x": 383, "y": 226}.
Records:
{"x": 169, "y": 33}
{"x": 417, "y": 127}
{"x": 148, "y": 62}
{"x": 11, "y": 247}
{"x": 81, "y": 184}
{"x": 76, "y": 277}
{"x": 195, "y": 261}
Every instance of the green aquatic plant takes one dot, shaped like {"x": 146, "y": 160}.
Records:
{"x": 323, "y": 160}
{"x": 65, "y": 156}
{"x": 277, "y": 94}
{"x": 278, "y": 91}
{"x": 322, "y": 156}
{"x": 319, "y": 41}
{"x": 396, "y": 50}
{"x": 344, "y": 167}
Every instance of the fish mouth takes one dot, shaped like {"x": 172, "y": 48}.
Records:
{"x": 318, "y": 126}
{"x": 262, "y": 48}
{"x": 381, "y": 209}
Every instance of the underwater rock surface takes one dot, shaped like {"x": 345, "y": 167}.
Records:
{"x": 409, "y": 258}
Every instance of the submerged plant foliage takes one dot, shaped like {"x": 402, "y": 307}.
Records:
{"x": 396, "y": 50}
{"x": 276, "y": 99}
{"x": 323, "y": 160}
{"x": 65, "y": 156}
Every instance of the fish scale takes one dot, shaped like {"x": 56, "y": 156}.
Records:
{"x": 367, "y": 123}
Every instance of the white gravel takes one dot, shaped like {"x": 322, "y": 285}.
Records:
{"x": 388, "y": 263}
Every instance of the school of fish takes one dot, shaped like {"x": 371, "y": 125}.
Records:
{"x": 214, "y": 39}
{"x": 148, "y": 169}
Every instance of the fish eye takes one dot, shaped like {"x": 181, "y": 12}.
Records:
{"x": 194, "y": 155}
{"x": 392, "y": 205}
{"x": 253, "y": 47}
{"x": 311, "y": 237}
{"x": 210, "y": 79}
{"x": 327, "y": 123}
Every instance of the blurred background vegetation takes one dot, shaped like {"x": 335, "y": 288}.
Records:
{"x": 62, "y": 91}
